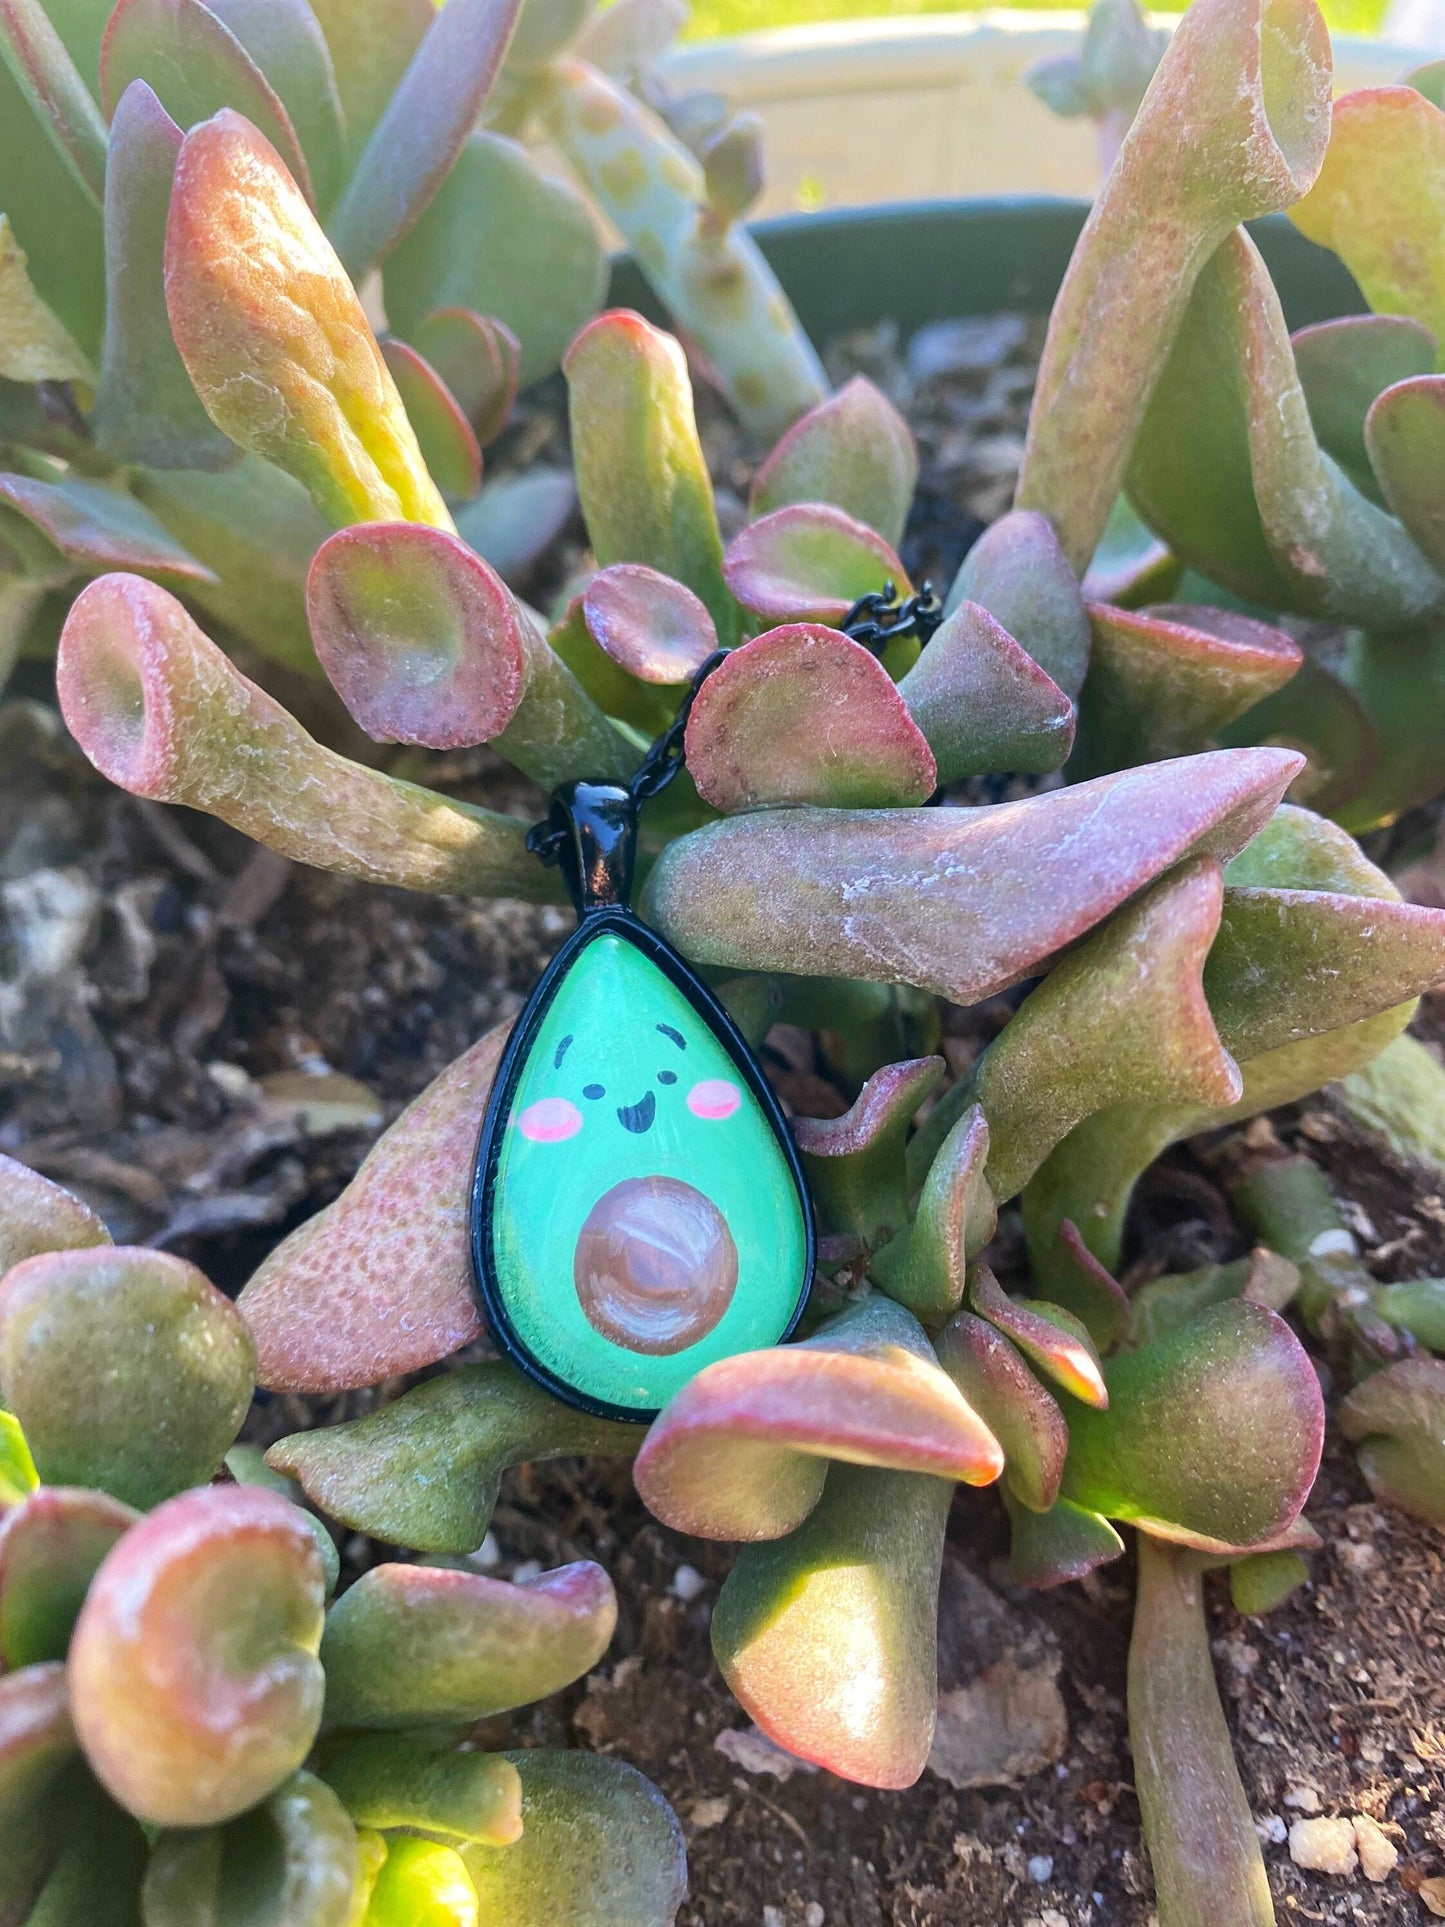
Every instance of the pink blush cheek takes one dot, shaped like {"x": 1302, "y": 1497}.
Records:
{"x": 550, "y": 1120}
{"x": 714, "y": 1098}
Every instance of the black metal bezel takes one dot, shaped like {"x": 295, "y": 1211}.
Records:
{"x": 601, "y": 920}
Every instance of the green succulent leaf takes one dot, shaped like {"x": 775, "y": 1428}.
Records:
{"x": 34, "y": 344}
{"x": 421, "y": 1884}
{"x": 925, "y": 1266}
{"x": 1397, "y": 1418}
{"x": 96, "y": 526}
{"x": 1018, "y": 573}
{"x": 1264, "y": 1580}
{"x": 51, "y": 1545}
{"x": 1050, "y": 1548}
{"x": 983, "y": 702}
{"x": 37, "y": 1753}
{"x": 370, "y": 48}
{"x": 809, "y": 562}
{"x": 480, "y": 360}
{"x": 1343, "y": 365}
{"x": 1405, "y": 437}
{"x": 1023, "y": 1417}
{"x": 1052, "y": 1339}
{"x": 855, "y": 1164}
{"x": 853, "y": 450}
{"x": 422, "y": 1780}
{"x": 285, "y": 40}
{"x": 418, "y": 1645}
{"x": 448, "y": 443}
{"x": 37, "y": 1215}
{"x": 18, "y": 1477}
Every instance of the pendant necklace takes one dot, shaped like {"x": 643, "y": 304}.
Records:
{"x": 638, "y": 1209}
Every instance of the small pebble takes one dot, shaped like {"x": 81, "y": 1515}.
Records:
{"x": 1323, "y": 1845}
{"x": 1303, "y": 1798}
{"x": 525, "y": 1573}
{"x": 772, "y": 1917}
{"x": 1272, "y": 1830}
{"x": 708, "y": 1813}
{"x": 1041, "y": 1868}
{"x": 1377, "y": 1852}
{"x": 813, "y": 1915}
{"x": 687, "y": 1583}
{"x": 487, "y": 1554}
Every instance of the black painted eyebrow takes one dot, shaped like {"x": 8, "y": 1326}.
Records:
{"x": 562, "y": 1050}
{"x": 676, "y": 1035}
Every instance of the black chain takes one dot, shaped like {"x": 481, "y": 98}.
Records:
{"x": 874, "y": 621}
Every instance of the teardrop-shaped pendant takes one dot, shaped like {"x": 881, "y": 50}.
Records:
{"x": 639, "y": 1209}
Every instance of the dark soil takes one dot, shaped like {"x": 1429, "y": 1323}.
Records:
{"x": 163, "y": 986}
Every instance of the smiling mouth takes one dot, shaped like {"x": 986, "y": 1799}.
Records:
{"x": 638, "y": 1117}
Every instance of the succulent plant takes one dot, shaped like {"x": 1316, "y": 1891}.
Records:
{"x": 191, "y": 1727}
{"x": 400, "y": 134}
{"x": 1186, "y": 946}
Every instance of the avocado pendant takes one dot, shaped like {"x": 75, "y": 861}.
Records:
{"x": 639, "y": 1210}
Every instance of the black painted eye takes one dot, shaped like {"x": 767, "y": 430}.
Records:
{"x": 593, "y": 1090}
{"x": 667, "y": 1077}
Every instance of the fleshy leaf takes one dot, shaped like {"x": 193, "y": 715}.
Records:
{"x": 1076, "y": 1280}
{"x": 34, "y": 344}
{"x": 1052, "y": 1339}
{"x": 421, "y": 130}
{"x": 1165, "y": 1304}
{"x": 1164, "y": 681}
{"x": 448, "y": 445}
{"x": 1343, "y": 364}
{"x": 424, "y": 1470}
{"x": 648, "y": 625}
{"x": 1022, "y": 1416}
{"x": 828, "y": 1637}
{"x": 370, "y": 50}
{"x": 514, "y": 521}
{"x": 146, "y": 409}
{"x": 809, "y": 563}
{"x": 925, "y": 1267}
{"x": 1264, "y": 1580}
{"x": 285, "y": 40}
{"x": 50, "y": 1548}
{"x": 644, "y": 484}
{"x": 1397, "y": 1416}
{"x": 480, "y": 360}
{"x": 742, "y": 1452}
{"x": 274, "y": 337}
{"x": 600, "y": 1846}
{"x": 1017, "y": 571}
{"x": 1050, "y": 1548}
{"x": 854, "y": 450}
{"x": 1380, "y": 199}
{"x": 126, "y": 1368}
{"x": 414, "y": 1645}
{"x": 380, "y": 1282}
{"x": 194, "y": 1682}
{"x": 1212, "y": 1436}
{"x": 37, "y": 1743}
{"x": 706, "y": 267}
{"x": 1234, "y": 125}
{"x": 1318, "y": 714}
{"x": 36, "y": 1216}
{"x": 197, "y": 67}
{"x": 98, "y": 527}
{"x": 1400, "y": 681}
{"x": 391, "y": 1780}
{"x": 160, "y": 711}
{"x": 983, "y": 702}
{"x": 294, "y": 1859}
{"x": 855, "y": 1163}
{"x": 18, "y": 1477}
{"x": 1405, "y": 436}
{"x": 504, "y": 239}
{"x": 41, "y": 67}
{"x": 803, "y": 714}
{"x": 422, "y": 1884}
{"x": 930, "y": 897}
{"x": 425, "y": 644}
{"x": 1131, "y": 565}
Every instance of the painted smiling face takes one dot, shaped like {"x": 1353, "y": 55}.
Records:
{"x": 645, "y": 1220}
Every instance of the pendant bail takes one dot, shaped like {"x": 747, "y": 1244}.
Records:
{"x": 595, "y": 826}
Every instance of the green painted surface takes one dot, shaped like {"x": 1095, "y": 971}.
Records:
{"x": 707, "y": 1259}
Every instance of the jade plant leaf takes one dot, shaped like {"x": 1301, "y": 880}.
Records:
{"x": 1396, "y": 1417}
{"x": 126, "y": 1368}
{"x": 514, "y": 521}
{"x": 646, "y": 493}
{"x": 448, "y": 444}
{"x": 428, "y": 1645}
{"x": 1076, "y": 1280}
{"x": 742, "y": 1452}
{"x": 855, "y": 1163}
{"x": 99, "y": 1859}
{"x": 194, "y": 1681}
{"x": 804, "y": 714}
{"x": 1343, "y": 364}
{"x": 503, "y": 239}
{"x": 35, "y": 344}
{"x": 424, "y": 1471}
{"x": 37, "y": 1744}
{"x": 197, "y": 66}
{"x": 930, "y": 897}
{"x": 1164, "y": 681}
{"x": 647, "y": 624}
{"x": 600, "y": 1847}
{"x": 98, "y": 527}
{"x": 1050, "y": 1548}
{"x": 40, "y": 66}
{"x": 1233, "y": 126}
{"x": 1318, "y": 714}
{"x": 421, "y": 130}
{"x": 1018, "y": 574}
{"x": 480, "y": 360}
{"x": 809, "y": 562}
{"x": 1025, "y": 1419}
{"x": 1212, "y": 1434}
{"x": 1052, "y": 1339}
{"x": 294, "y": 1859}
{"x": 855, "y": 451}
{"x": 1405, "y": 436}
{"x": 285, "y": 40}
{"x": 146, "y": 409}
{"x": 392, "y": 1780}
{"x": 983, "y": 703}
{"x": 828, "y": 1637}
{"x": 1380, "y": 198}
{"x": 161, "y": 712}
{"x": 370, "y": 48}
{"x": 1165, "y": 1304}
{"x": 51, "y": 1546}
{"x": 37, "y": 1215}
{"x": 421, "y": 1883}
{"x": 425, "y": 644}
{"x": 274, "y": 337}
{"x": 925, "y": 1267}
{"x": 18, "y": 1477}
